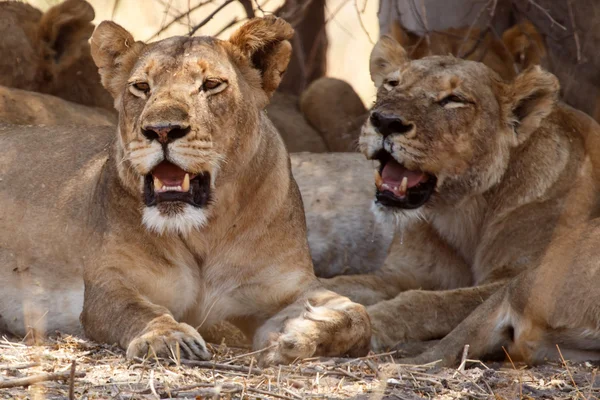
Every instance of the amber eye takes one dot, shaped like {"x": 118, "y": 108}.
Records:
{"x": 142, "y": 86}
{"x": 210, "y": 84}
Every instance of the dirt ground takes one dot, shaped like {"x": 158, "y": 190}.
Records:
{"x": 101, "y": 372}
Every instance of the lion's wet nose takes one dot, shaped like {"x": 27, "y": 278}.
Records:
{"x": 165, "y": 133}
{"x": 389, "y": 124}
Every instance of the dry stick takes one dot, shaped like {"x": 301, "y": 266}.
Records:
{"x": 459, "y": 52}
{"x": 463, "y": 360}
{"x": 515, "y": 368}
{"x": 569, "y": 372}
{"x": 223, "y": 367}
{"x": 72, "y": 381}
{"x": 209, "y": 17}
{"x": 360, "y": 21}
{"x": 554, "y": 22}
{"x": 247, "y": 4}
{"x": 19, "y": 366}
{"x": 30, "y": 380}
{"x": 179, "y": 17}
{"x": 231, "y": 23}
{"x": 232, "y": 386}
{"x": 575, "y": 33}
{"x": 310, "y": 61}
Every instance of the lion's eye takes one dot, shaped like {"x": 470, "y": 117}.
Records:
{"x": 390, "y": 84}
{"x": 452, "y": 100}
{"x": 142, "y": 86}
{"x": 211, "y": 84}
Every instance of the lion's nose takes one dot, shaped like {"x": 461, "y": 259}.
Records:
{"x": 165, "y": 133}
{"x": 389, "y": 124}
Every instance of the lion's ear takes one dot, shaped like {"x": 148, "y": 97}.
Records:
{"x": 525, "y": 44}
{"x": 532, "y": 97}
{"x": 265, "y": 43}
{"x": 115, "y": 53}
{"x": 387, "y": 56}
{"x": 64, "y": 31}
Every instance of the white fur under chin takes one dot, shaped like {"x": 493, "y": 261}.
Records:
{"x": 192, "y": 218}
{"x": 401, "y": 218}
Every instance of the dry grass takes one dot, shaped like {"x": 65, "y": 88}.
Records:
{"x": 101, "y": 372}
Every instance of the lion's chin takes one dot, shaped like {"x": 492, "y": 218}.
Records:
{"x": 174, "y": 218}
{"x": 401, "y": 218}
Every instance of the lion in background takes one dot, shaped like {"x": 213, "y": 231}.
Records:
{"x": 485, "y": 181}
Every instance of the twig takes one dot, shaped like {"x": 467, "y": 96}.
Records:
{"x": 237, "y": 388}
{"x": 209, "y": 17}
{"x": 179, "y": 17}
{"x": 30, "y": 380}
{"x": 360, "y": 21}
{"x": 72, "y": 381}
{"x": 579, "y": 394}
{"x": 542, "y": 9}
{"x": 247, "y": 4}
{"x": 459, "y": 52}
{"x": 223, "y": 367}
{"x": 515, "y": 368}
{"x": 151, "y": 384}
{"x": 575, "y": 33}
{"x": 463, "y": 360}
{"x": 19, "y": 366}
{"x": 231, "y": 23}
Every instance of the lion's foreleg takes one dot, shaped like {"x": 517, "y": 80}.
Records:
{"x": 366, "y": 289}
{"x": 114, "y": 312}
{"x": 420, "y": 315}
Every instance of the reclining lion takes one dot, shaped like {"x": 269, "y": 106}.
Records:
{"x": 484, "y": 179}
{"x": 187, "y": 216}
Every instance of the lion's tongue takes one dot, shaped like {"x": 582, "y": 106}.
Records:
{"x": 169, "y": 174}
{"x": 394, "y": 173}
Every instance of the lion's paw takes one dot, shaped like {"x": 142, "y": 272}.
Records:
{"x": 319, "y": 331}
{"x": 163, "y": 335}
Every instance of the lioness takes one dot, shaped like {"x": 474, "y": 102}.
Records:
{"x": 190, "y": 216}
{"x": 480, "y": 175}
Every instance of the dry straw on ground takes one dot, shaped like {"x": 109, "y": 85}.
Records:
{"x": 68, "y": 367}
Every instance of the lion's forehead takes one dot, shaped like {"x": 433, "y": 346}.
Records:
{"x": 183, "y": 58}
{"x": 438, "y": 75}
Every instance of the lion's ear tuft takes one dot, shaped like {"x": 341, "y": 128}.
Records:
{"x": 387, "y": 56}
{"x": 115, "y": 52}
{"x": 265, "y": 43}
{"x": 533, "y": 95}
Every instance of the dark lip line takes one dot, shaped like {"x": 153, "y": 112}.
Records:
{"x": 199, "y": 186}
{"x": 388, "y": 199}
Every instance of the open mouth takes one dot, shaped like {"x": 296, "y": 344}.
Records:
{"x": 169, "y": 183}
{"x": 398, "y": 186}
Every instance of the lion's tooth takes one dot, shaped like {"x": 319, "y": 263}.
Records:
{"x": 378, "y": 179}
{"x": 158, "y": 185}
{"x": 403, "y": 185}
{"x": 185, "y": 186}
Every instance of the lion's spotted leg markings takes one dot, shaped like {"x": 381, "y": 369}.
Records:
{"x": 325, "y": 324}
{"x": 161, "y": 338}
